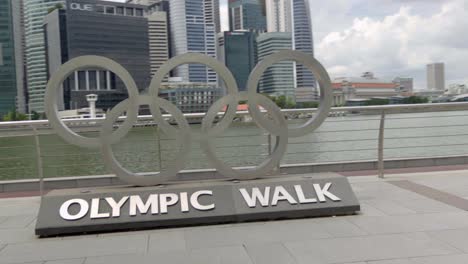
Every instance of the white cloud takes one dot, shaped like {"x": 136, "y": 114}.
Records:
{"x": 400, "y": 44}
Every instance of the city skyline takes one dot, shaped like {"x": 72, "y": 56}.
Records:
{"x": 413, "y": 40}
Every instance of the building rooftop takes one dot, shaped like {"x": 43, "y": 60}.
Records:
{"x": 416, "y": 218}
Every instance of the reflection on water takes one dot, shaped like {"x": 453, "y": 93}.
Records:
{"x": 348, "y": 138}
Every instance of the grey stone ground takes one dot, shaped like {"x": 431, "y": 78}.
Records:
{"x": 396, "y": 226}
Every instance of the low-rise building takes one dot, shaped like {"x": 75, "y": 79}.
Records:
{"x": 190, "y": 97}
{"x": 365, "y": 87}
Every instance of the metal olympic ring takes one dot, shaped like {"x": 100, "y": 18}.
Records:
{"x": 68, "y": 68}
{"x": 182, "y": 138}
{"x": 277, "y": 127}
{"x": 280, "y": 132}
{"x": 326, "y": 93}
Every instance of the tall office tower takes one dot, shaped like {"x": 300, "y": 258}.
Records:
{"x": 436, "y": 76}
{"x": 303, "y": 41}
{"x": 278, "y": 79}
{"x": 193, "y": 30}
{"x": 294, "y": 16}
{"x": 114, "y": 30}
{"x": 20, "y": 59}
{"x": 7, "y": 59}
{"x": 214, "y": 13}
{"x": 158, "y": 40}
{"x": 278, "y": 15}
{"x": 36, "y": 67}
{"x": 246, "y": 15}
{"x": 238, "y": 51}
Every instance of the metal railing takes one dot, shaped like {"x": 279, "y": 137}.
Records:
{"x": 360, "y": 133}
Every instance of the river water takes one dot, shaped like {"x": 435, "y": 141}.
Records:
{"x": 348, "y": 138}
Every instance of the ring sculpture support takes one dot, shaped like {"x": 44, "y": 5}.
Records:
{"x": 196, "y": 203}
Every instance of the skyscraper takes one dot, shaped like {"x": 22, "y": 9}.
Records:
{"x": 293, "y": 16}
{"x": 88, "y": 27}
{"x": 7, "y": 59}
{"x": 436, "y": 76}
{"x": 36, "y": 67}
{"x": 238, "y": 52}
{"x": 158, "y": 40}
{"x": 246, "y": 15}
{"x": 278, "y": 79}
{"x": 20, "y": 60}
{"x": 193, "y": 27}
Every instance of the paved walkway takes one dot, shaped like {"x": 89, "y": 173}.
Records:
{"x": 406, "y": 219}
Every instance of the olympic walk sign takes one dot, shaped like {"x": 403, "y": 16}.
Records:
{"x": 156, "y": 201}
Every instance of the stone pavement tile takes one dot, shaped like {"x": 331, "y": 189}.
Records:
{"x": 287, "y": 230}
{"x": 450, "y": 259}
{"x": 411, "y": 223}
{"x": 457, "y": 238}
{"x": 369, "y": 210}
{"x": 383, "y": 191}
{"x": 223, "y": 255}
{"x": 17, "y": 221}
{"x": 274, "y": 253}
{"x": 166, "y": 241}
{"x": 73, "y": 248}
{"x": 339, "y": 226}
{"x": 368, "y": 248}
{"x": 427, "y": 205}
{"x": 390, "y": 207}
{"x": 212, "y": 256}
{"x": 16, "y": 235}
{"x": 68, "y": 261}
{"x": 19, "y": 206}
{"x": 393, "y": 261}
{"x": 163, "y": 258}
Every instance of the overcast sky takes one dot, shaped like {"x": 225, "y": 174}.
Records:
{"x": 389, "y": 37}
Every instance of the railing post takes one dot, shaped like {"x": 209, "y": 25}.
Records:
{"x": 40, "y": 171}
{"x": 381, "y": 166}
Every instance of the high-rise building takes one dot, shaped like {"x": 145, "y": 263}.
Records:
{"x": 294, "y": 16}
{"x": 303, "y": 41}
{"x": 238, "y": 51}
{"x": 36, "y": 67}
{"x": 246, "y": 15}
{"x": 279, "y": 15}
{"x": 114, "y": 30}
{"x": 158, "y": 40}
{"x": 436, "y": 76}
{"x": 278, "y": 79}
{"x": 20, "y": 59}
{"x": 7, "y": 59}
{"x": 193, "y": 27}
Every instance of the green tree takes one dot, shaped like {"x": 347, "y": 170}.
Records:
{"x": 415, "y": 100}
{"x": 14, "y": 116}
{"x": 308, "y": 105}
{"x": 378, "y": 101}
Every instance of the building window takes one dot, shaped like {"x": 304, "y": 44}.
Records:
{"x": 129, "y": 11}
{"x": 120, "y": 10}
{"x": 110, "y": 10}
{"x": 99, "y": 8}
{"x": 139, "y": 12}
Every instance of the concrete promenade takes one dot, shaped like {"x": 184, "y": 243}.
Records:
{"x": 417, "y": 218}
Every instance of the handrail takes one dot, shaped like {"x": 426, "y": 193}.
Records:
{"x": 388, "y": 109}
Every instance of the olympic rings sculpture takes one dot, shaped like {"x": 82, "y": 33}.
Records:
{"x": 275, "y": 124}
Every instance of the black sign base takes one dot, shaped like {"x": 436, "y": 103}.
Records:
{"x": 127, "y": 208}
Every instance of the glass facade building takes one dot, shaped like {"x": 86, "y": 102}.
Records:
{"x": 36, "y": 66}
{"x": 193, "y": 27}
{"x": 7, "y": 59}
{"x": 247, "y": 15}
{"x": 279, "y": 78}
{"x": 303, "y": 41}
{"x": 113, "y": 30}
{"x": 239, "y": 53}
